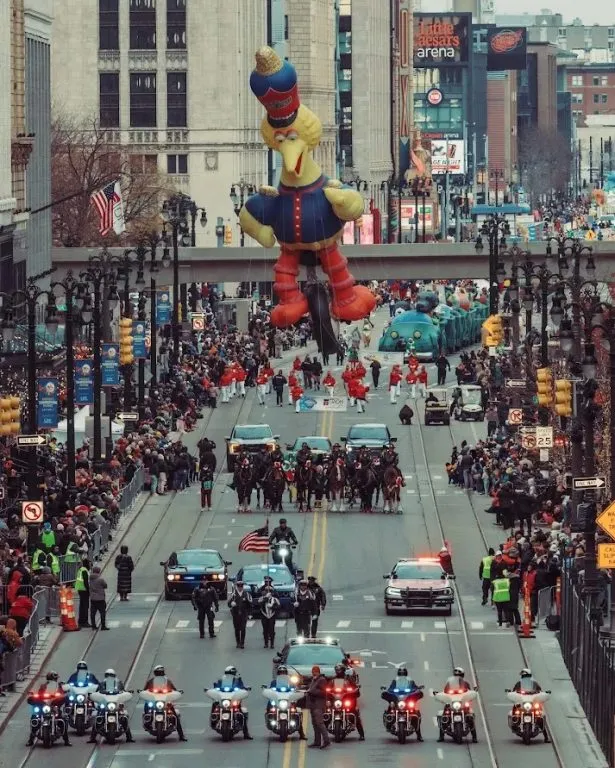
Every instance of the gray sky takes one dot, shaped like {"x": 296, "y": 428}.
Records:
{"x": 590, "y": 11}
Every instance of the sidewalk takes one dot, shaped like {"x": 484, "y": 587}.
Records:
{"x": 572, "y": 734}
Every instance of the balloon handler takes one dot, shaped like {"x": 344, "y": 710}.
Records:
{"x": 307, "y": 212}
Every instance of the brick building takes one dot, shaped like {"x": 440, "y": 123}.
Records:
{"x": 502, "y": 128}
{"x": 592, "y": 89}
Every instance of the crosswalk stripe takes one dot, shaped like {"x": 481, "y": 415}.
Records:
{"x": 369, "y": 598}
{"x": 477, "y": 625}
{"x": 151, "y": 599}
{"x": 250, "y": 624}
{"x": 374, "y": 624}
{"x": 337, "y": 597}
{"x": 407, "y": 624}
{"x": 439, "y": 625}
{"x": 113, "y": 624}
{"x": 342, "y": 624}
{"x": 280, "y": 624}
{"x": 182, "y": 624}
{"x": 136, "y": 624}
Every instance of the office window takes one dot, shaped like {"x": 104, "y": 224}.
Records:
{"x": 577, "y": 98}
{"x": 142, "y": 100}
{"x": 176, "y": 24}
{"x": 176, "y": 100}
{"x": 595, "y": 80}
{"x": 142, "y": 25}
{"x": 561, "y": 32}
{"x": 108, "y": 25}
{"x": 603, "y": 98}
{"x": 596, "y": 98}
{"x": 611, "y": 32}
{"x": 604, "y": 80}
{"x": 177, "y": 164}
{"x": 109, "y": 99}
{"x": 146, "y": 164}
{"x": 576, "y": 80}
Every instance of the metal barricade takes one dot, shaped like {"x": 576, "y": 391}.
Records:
{"x": 546, "y": 604}
{"x": 16, "y": 664}
{"x": 68, "y": 569}
{"x": 131, "y": 491}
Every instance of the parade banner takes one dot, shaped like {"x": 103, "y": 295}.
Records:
{"x": 110, "y": 366}
{"x": 47, "y": 403}
{"x": 319, "y": 404}
{"x": 139, "y": 348}
{"x": 163, "y": 308}
{"x": 84, "y": 382}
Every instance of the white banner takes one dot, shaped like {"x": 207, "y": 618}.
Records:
{"x": 447, "y": 156}
{"x": 312, "y": 404}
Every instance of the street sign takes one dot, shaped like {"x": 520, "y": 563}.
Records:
{"x": 516, "y": 383}
{"x": 528, "y": 440}
{"x": 515, "y": 416}
{"x": 24, "y": 441}
{"x": 544, "y": 437}
{"x": 198, "y": 322}
{"x": 127, "y": 417}
{"x": 606, "y": 520}
{"x": 32, "y": 512}
{"x": 587, "y": 483}
{"x": 606, "y": 555}
{"x": 544, "y": 455}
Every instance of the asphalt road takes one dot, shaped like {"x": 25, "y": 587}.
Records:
{"x": 349, "y": 553}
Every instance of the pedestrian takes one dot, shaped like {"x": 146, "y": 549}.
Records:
{"x": 491, "y": 416}
{"x": 321, "y": 603}
{"x": 406, "y": 413}
{"x": 422, "y": 377}
{"x": 269, "y": 605}
{"x": 442, "y": 365}
{"x": 98, "y": 598}
{"x": 278, "y": 382}
{"x": 21, "y": 608}
{"x": 394, "y": 379}
{"x": 305, "y": 608}
{"x": 412, "y": 379}
{"x": 48, "y": 581}
{"x": 316, "y": 701}
{"x": 82, "y": 586}
{"x": 261, "y": 387}
{"x": 484, "y": 574}
{"x": 501, "y": 598}
{"x": 124, "y": 567}
{"x": 206, "y": 479}
{"x": 515, "y": 589}
{"x": 375, "y": 367}
{"x": 240, "y": 603}
{"x": 205, "y": 603}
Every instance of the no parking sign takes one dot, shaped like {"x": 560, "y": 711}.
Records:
{"x": 32, "y": 512}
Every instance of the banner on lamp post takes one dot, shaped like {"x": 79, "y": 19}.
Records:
{"x": 163, "y": 308}
{"x": 139, "y": 349}
{"x": 47, "y": 403}
{"x": 84, "y": 382}
{"x": 110, "y": 365}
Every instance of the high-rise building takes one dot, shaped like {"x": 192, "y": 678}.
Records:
{"x": 170, "y": 81}
{"x": 7, "y": 200}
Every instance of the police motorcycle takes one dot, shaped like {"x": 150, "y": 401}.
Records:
{"x": 282, "y": 715}
{"x": 159, "y": 716}
{"x": 228, "y": 716}
{"x": 110, "y": 715}
{"x": 402, "y": 718}
{"x": 527, "y": 719}
{"x": 282, "y": 554}
{"x": 79, "y": 707}
{"x": 456, "y": 720}
{"x": 47, "y": 723}
{"x": 340, "y": 715}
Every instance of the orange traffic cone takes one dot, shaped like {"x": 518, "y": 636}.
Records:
{"x": 525, "y": 630}
{"x": 69, "y": 619}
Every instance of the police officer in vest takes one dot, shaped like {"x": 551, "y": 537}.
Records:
{"x": 39, "y": 559}
{"x": 82, "y": 585}
{"x": 484, "y": 574}
{"x": 53, "y": 561}
{"x": 501, "y": 598}
{"x": 48, "y": 537}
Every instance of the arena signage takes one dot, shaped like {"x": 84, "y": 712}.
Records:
{"x": 441, "y": 39}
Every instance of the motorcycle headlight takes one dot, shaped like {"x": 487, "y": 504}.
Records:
{"x": 80, "y": 698}
{"x": 283, "y": 552}
{"x": 226, "y": 703}
{"x": 46, "y": 710}
{"x": 393, "y": 591}
{"x": 401, "y": 705}
{"x": 294, "y": 679}
{"x": 71, "y": 698}
{"x": 456, "y": 705}
{"x": 527, "y": 706}
{"x": 111, "y": 707}
{"x": 338, "y": 704}
{"x": 283, "y": 705}
{"x": 159, "y": 705}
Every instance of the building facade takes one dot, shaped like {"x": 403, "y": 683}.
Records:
{"x": 537, "y": 89}
{"x": 38, "y": 26}
{"x": 502, "y": 131}
{"x": 592, "y": 89}
{"x": 170, "y": 81}
{"x": 7, "y": 199}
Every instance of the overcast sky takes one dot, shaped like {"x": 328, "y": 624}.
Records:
{"x": 590, "y": 11}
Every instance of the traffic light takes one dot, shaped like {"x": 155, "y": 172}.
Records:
{"x": 10, "y": 416}
{"x": 126, "y": 347}
{"x": 544, "y": 381}
{"x": 228, "y": 235}
{"x": 493, "y": 331}
{"x": 563, "y": 397}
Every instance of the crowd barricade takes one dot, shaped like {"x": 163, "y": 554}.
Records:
{"x": 16, "y": 664}
{"x": 547, "y": 605}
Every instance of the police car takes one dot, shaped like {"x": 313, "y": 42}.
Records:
{"x": 415, "y": 583}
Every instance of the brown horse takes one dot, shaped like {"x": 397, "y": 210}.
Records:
{"x": 244, "y": 482}
{"x": 274, "y": 484}
{"x": 304, "y": 474}
{"x": 336, "y": 479}
{"x": 392, "y": 483}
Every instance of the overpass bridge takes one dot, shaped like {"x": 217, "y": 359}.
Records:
{"x": 420, "y": 261}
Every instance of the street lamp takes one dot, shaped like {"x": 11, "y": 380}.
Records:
{"x": 238, "y": 194}
{"x": 495, "y": 229}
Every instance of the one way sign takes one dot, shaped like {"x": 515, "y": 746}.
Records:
{"x": 128, "y": 417}
{"x": 588, "y": 483}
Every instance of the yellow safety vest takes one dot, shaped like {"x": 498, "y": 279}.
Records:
{"x": 80, "y": 581}
{"x": 35, "y": 559}
{"x": 71, "y": 555}
{"x": 55, "y": 565}
{"x": 501, "y": 591}
{"x": 487, "y": 566}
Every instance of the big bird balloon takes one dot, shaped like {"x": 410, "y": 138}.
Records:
{"x": 307, "y": 211}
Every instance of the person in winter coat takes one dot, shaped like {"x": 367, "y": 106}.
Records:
{"x": 375, "y": 368}
{"x": 21, "y": 609}
{"x": 329, "y": 383}
{"x": 394, "y": 379}
{"x": 124, "y": 567}
{"x": 261, "y": 387}
{"x": 240, "y": 603}
{"x": 422, "y": 376}
{"x": 297, "y": 394}
{"x": 406, "y": 413}
{"x": 412, "y": 380}
{"x": 442, "y": 365}
{"x": 293, "y": 382}
{"x": 98, "y": 598}
{"x": 278, "y": 383}
{"x": 360, "y": 393}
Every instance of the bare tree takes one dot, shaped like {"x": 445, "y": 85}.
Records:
{"x": 84, "y": 161}
{"x": 545, "y": 158}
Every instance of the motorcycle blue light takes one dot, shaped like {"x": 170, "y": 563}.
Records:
{"x": 395, "y": 690}
{"x": 37, "y": 709}
{"x": 80, "y": 685}
{"x": 226, "y": 689}
{"x": 150, "y": 704}
{"x": 71, "y": 698}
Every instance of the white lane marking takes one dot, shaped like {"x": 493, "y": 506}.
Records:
{"x": 113, "y": 624}
{"x": 342, "y": 624}
{"x": 407, "y": 624}
{"x": 225, "y": 546}
{"x": 405, "y": 632}
{"x": 408, "y": 477}
{"x": 426, "y": 666}
{"x": 280, "y": 623}
{"x": 440, "y": 493}
{"x": 369, "y": 598}
{"x": 136, "y": 624}
{"x": 229, "y": 533}
{"x": 250, "y": 624}
{"x": 440, "y": 754}
{"x": 436, "y": 477}
{"x": 145, "y": 594}
{"x": 151, "y": 758}
{"x": 151, "y": 599}
{"x": 375, "y": 624}
{"x": 411, "y": 491}
{"x": 182, "y": 624}
{"x": 336, "y": 598}
{"x": 232, "y": 520}
{"x": 439, "y": 624}
{"x": 422, "y": 637}
{"x": 477, "y": 625}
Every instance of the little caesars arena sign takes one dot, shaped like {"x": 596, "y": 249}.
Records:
{"x": 441, "y": 39}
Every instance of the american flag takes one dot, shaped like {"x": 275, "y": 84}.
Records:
{"x": 105, "y": 202}
{"x": 255, "y": 541}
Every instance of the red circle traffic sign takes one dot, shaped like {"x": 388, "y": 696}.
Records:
{"x": 530, "y": 441}
{"x": 32, "y": 511}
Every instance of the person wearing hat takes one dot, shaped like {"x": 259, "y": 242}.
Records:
{"x": 305, "y": 608}
{"x": 375, "y": 367}
{"x": 316, "y": 702}
{"x": 320, "y": 597}
{"x": 48, "y": 538}
{"x": 501, "y": 598}
{"x": 205, "y": 603}
{"x": 240, "y": 603}
{"x": 269, "y": 606}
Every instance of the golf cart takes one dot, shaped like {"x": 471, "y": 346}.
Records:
{"x": 437, "y": 407}
{"x": 468, "y": 403}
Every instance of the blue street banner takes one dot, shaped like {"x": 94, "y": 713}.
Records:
{"x": 47, "y": 403}
{"x": 110, "y": 365}
{"x": 320, "y": 404}
{"x": 163, "y": 308}
{"x": 138, "y": 339}
{"x": 84, "y": 382}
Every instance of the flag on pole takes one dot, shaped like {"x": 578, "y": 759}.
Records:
{"x": 256, "y": 541}
{"x": 110, "y": 208}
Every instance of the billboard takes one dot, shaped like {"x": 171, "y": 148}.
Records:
{"x": 447, "y": 156}
{"x": 506, "y": 48}
{"x": 407, "y": 214}
{"x": 442, "y": 39}
{"x": 403, "y": 31}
